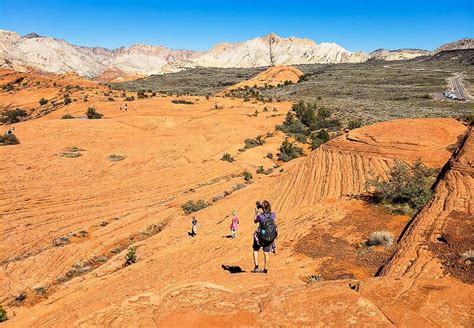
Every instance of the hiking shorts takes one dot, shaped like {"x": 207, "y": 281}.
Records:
{"x": 257, "y": 245}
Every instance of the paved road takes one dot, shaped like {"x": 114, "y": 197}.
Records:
{"x": 458, "y": 87}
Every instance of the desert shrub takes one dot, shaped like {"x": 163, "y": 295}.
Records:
{"x": 323, "y": 135}
{"x": 251, "y": 143}
{"x": 261, "y": 170}
{"x": 324, "y": 113}
{"x": 329, "y": 124}
{"x": 131, "y": 256}
{"x": 227, "y": 157}
{"x": 270, "y": 155}
{"x": 289, "y": 151}
{"x": 130, "y": 98}
{"x": 191, "y": 206}
{"x": 43, "y": 101}
{"x": 406, "y": 185}
{"x": 182, "y": 101}
{"x": 319, "y": 138}
{"x": 13, "y": 115}
{"x": 3, "y": 314}
{"x": 288, "y": 82}
{"x": 354, "y": 124}
{"x": 383, "y": 238}
{"x": 67, "y": 100}
{"x": 293, "y": 125}
{"x": 248, "y": 176}
{"x": 141, "y": 94}
{"x": 7, "y": 87}
{"x": 67, "y": 116}
{"x": 9, "y": 139}
{"x": 92, "y": 114}
{"x": 110, "y": 99}
{"x": 467, "y": 118}
{"x": 115, "y": 158}
{"x": 468, "y": 255}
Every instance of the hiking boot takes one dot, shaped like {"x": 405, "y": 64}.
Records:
{"x": 264, "y": 271}
{"x": 256, "y": 270}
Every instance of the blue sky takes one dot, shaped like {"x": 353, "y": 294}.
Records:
{"x": 198, "y": 25}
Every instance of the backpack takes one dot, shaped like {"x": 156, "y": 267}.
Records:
{"x": 269, "y": 231}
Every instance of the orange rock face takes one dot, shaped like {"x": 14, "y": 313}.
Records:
{"x": 66, "y": 221}
{"x": 270, "y": 77}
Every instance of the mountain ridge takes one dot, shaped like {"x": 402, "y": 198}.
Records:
{"x": 58, "y": 56}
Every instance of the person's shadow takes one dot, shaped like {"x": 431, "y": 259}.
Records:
{"x": 227, "y": 236}
{"x": 232, "y": 268}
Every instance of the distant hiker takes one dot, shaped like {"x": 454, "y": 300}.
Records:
{"x": 194, "y": 223}
{"x": 265, "y": 235}
{"x": 234, "y": 224}
{"x": 126, "y": 107}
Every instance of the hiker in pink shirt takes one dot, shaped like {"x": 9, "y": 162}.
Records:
{"x": 234, "y": 224}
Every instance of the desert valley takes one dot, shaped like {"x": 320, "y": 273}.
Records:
{"x": 108, "y": 154}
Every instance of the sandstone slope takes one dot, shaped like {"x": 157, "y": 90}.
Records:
{"x": 172, "y": 154}
{"x": 274, "y": 76}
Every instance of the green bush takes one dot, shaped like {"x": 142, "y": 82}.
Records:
{"x": 92, "y": 114}
{"x": 406, "y": 185}
{"x": 248, "y": 176}
{"x": 67, "y": 116}
{"x": 116, "y": 158}
{"x": 131, "y": 98}
{"x": 289, "y": 151}
{"x": 182, "y": 101}
{"x": 191, "y": 206}
{"x": 270, "y": 155}
{"x": 251, "y": 143}
{"x": 3, "y": 314}
{"x": 43, "y": 101}
{"x": 141, "y": 94}
{"x": 319, "y": 138}
{"x": 261, "y": 170}
{"x": 131, "y": 256}
{"x": 67, "y": 100}
{"x": 227, "y": 157}
{"x": 354, "y": 124}
{"x": 9, "y": 139}
{"x": 13, "y": 115}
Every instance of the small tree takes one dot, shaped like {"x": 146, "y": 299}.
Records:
{"x": 289, "y": 151}
{"x": 43, "y": 101}
{"x": 354, "y": 124}
{"x": 227, "y": 157}
{"x": 406, "y": 185}
{"x": 9, "y": 139}
{"x": 131, "y": 256}
{"x": 248, "y": 176}
{"x": 13, "y": 115}
{"x": 67, "y": 100}
{"x": 3, "y": 314}
{"x": 191, "y": 206}
{"x": 92, "y": 114}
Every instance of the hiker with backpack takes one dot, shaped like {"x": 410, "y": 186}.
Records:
{"x": 265, "y": 235}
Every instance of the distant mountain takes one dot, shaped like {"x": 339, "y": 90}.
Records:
{"x": 274, "y": 50}
{"x": 400, "y": 54}
{"x": 58, "y": 56}
{"x": 457, "y": 45}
